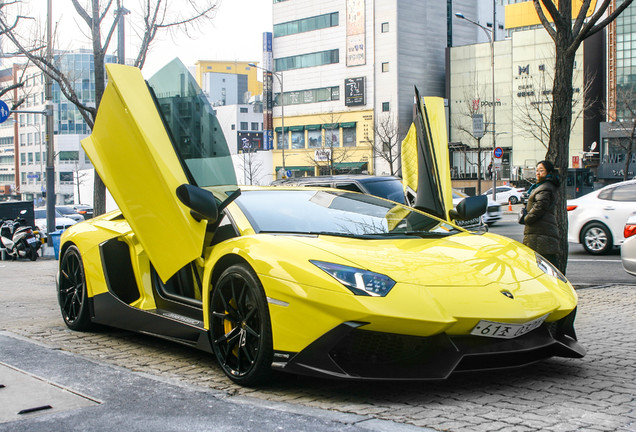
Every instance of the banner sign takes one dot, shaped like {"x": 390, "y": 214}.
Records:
{"x": 356, "y": 36}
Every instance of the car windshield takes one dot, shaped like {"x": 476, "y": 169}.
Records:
{"x": 193, "y": 127}
{"x": 389, "y": 189}
{"x": 335, "y": 213}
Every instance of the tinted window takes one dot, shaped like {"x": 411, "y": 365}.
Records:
{"x": 389, "y": 189}
{"x": 65, "y": 210}
{"x": 625, "y": 193}
{"x": 348, "y": 186}
{"x": 606, "y": 194}
{"x": 193, "y": 127}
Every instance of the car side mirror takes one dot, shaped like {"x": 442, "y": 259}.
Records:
{"x": 201, "y": 202}
{"x": 470, "y": 208}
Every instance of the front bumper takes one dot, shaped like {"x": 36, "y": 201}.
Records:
{"x": 350, "y": 352}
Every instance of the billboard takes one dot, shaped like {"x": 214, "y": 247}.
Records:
{"x": 354, "y": 91}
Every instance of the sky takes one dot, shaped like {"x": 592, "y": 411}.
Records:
{"x": 234, "y": 34}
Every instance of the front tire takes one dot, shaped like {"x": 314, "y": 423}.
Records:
{"x": 240, "y": 327}
{"x": 596, "y": 239}
{"x": 72, "y": 295}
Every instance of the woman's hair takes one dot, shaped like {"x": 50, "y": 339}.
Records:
{"x": 553, "y": 173}
{"x": 549, "y": 166}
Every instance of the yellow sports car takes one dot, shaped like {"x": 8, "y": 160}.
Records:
{"x": 312, "y": 281}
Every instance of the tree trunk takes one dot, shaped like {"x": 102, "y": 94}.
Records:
{"x": 560, "y": 120}
{"x": 99, "y": 189}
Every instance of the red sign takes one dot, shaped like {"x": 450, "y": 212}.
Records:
{"x": 575, "y": 162}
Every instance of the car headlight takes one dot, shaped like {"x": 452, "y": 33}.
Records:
{"x": 358, "y": 281}
{"x": 548, "y": 268}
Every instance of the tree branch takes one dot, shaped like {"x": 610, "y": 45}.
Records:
{"x": 82, "y": 13}
{"x": 552, "y": 10}
{"x": 589, "y": 29}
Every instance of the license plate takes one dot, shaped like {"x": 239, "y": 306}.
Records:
{"x": 506, "y": 330}
{"x": 31, "y": 240}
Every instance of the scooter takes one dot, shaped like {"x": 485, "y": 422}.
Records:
{"x": 18, "y": 239}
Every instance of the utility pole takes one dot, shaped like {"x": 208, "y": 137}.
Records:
{"x": 121, "y": 35}
{"x": 50, "y": 152}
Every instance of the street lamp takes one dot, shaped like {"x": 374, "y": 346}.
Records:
{"x": 491, "y": 40}
{"x": 279, "y": 77}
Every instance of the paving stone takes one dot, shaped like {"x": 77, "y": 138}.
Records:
{"x": 558, "y": 395}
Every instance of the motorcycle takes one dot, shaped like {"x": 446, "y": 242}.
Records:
{"x": 18, "y": 239}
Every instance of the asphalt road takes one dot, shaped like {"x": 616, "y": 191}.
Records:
{"x": 583, "y": 269}
{"x": 116, "y": 380}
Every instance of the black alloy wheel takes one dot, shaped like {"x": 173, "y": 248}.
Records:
{"x": 240, "y": 326}
{"x": 72, "y": 295}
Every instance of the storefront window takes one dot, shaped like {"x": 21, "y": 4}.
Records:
{"x": 298, "y": 139}
{"x": 349, "y": 137}
{"x": 332, "y": 136}
{"x": 315, "y": 138}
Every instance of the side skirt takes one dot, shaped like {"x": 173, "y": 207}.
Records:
{"x": 109, "y": 310}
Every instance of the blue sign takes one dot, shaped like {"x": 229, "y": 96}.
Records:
{"x": 498, "y": 152}
{"x": 288, "y": 173}
{"x": 4, "y": 111}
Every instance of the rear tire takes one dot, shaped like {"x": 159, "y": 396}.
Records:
{"x": 596, "y": 238}
{"x": 72, "y": 294}
{"x": 32, "y": 254}
{"x": 240, "y": 326}
{"x": 513, "y": 200}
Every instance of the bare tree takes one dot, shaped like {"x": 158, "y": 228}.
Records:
{"x": 386, "y": 141}
{"x": 625, "y": 119}
{"x": 100, "y": 18}
{"x": 471, "y": 106}
{"x": 251, "y": 165}
{"x": 568, "y": 34}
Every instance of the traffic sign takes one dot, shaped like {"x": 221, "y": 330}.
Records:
{"x": 498, "y": 152}
{"x": 478, "y": 125}
{"x": 4, "y": 111}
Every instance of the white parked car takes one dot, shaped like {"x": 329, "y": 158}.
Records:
{"x": 628, "y": 250}
{"x": 61, "y": 222}
{"x": 507, "y": 194}
{"x": 597, "y": 220}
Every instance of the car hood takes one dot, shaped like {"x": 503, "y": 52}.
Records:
{"x": 459, "y": 260}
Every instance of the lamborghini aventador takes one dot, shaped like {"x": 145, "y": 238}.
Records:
{"x": 313, "y": 281}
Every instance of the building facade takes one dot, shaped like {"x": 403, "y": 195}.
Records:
{"x": 615, "y": 156}
{"x": 69, "y": 129}
{"x": 523, "y": 71}
{"x": 7, "y": 146}
{"x": 347, "y": 64}
{"x": 254, "y": 87}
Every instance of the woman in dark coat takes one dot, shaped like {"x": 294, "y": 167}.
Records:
{"x": 541, "y": 232}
